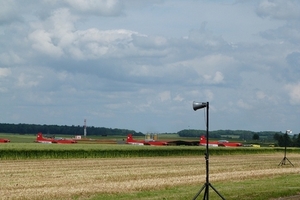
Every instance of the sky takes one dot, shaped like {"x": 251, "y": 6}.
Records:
{"x": 139, "y": 64}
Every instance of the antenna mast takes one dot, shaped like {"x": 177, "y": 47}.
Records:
{"x": 84, "y": 128}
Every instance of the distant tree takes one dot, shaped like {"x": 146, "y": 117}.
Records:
{"x": 191, "y": 133}
{"x": 277, "y": 136}
{"x": 255, "y": 136}
{"x": 296, "y": 140}
{"x": 288, "y": 140}
{"x": 285, "y": 140}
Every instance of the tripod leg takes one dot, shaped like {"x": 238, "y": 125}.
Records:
{"x": 282, "y": 162}
{"x": 204, "y": 186}
{"x": 216, "y": 191}
{"x": 290, "y": 162}
{"x": 205, "y": 196}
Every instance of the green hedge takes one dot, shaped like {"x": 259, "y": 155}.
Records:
{"x": 123, "y": 151}
{"x": 93, "y": 153}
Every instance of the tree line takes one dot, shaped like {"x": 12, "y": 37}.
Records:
{"x": 229, "y": 134}
{"x": 63, "y": 130}
{"x": 287, "y": 140}
{"x": 280, "y": 138}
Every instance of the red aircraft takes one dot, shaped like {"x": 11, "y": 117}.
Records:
{"x": 2, "y": 140}
{"x": 220, "y": 143}
{"x": 151, "y": 142}
{"x": 41, "y": 139}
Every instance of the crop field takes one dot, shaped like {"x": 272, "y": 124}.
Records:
{"x": 152, "y": 173}
{"x": 66, "y": 151}
{"x": 119, "y": 171}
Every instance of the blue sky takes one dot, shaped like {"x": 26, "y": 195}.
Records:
{"x": 140, "y": 64}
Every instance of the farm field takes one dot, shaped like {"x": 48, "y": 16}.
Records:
{"x": 247, "y": 176}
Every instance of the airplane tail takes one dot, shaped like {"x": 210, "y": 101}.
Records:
{"x": 129, "y": 138}
{"x": 202, "y": 139}
{"x": 39, "y": 136}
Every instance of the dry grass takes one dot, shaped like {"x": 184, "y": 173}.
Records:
{"x": 64, "y": 179}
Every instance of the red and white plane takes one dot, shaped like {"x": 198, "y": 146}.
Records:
{"x": 2, "y": 140}
{"x": 151, "y": 142}
{"x": 220, "y": 143}
{"x": 41, "y": 139}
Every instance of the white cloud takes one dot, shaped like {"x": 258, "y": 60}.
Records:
{"x": 164, "y": 96}
{"x": 215, "y": 79}
{"x": 294, "y": 93}
{"x": 42, "y": 42}
{"x": 178, "y": 98}
{"x": 4, "y": 72}
{"x": 242, "y": 104}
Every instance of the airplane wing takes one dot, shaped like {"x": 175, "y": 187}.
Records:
{"x": 182, "y": 142}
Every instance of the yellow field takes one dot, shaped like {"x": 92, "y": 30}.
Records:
{"x": 65, "y": 179}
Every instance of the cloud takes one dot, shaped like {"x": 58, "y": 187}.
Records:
{"x": 4, "y": 72}
{"x": 206, "y": 38}
{"x": 10, "y": 57}
{"x": 41, "y": 42}
{"x": 58, "y": 37}
{"x": 284, "y": 34}
{"x": 293, "y": 60}
{"x": 8, "y": 11}
{"x": 242, "y": 104}
{"x": 146, "y": 61}
{"x": 216, "y": 78}
{"x": 97, "y": 7}
{"x": 279, "y": 9}
{"x": 294, "y": 93}
{"x": 164, "y": 96}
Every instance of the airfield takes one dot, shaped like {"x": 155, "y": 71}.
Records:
{"x": 144, "y": 172}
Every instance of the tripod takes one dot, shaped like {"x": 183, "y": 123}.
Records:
{"x": 196, "y": 106}
{"x": 207, "y": 183}
{"x": 285, "y": 158}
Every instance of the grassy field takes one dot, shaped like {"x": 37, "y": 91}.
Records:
{"x": 23, "y": 147}
{"x": 17, "y": 151}
{"x": 97, "y": 171}
{"x": 30, "y": 138}
{"x": 255, "y": 177}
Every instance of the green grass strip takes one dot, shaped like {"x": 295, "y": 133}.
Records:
{"x": 250, "y": 189}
